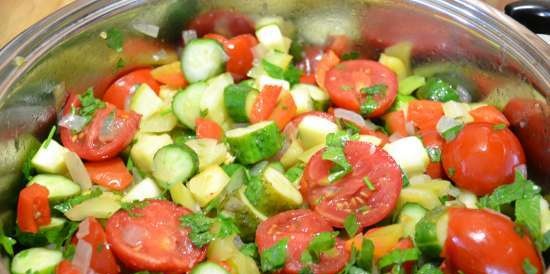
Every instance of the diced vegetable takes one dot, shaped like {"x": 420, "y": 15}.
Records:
{"x": 255, "y": 143}
{"x": 170, "y": 74}
{"x": 187, "y": 104}
{"x": 173, "y": 164}
{"x": 209, "y": 152}
{"x": 77, "y": 170}
{"x": 47, "y": 234}
{"x": 36, "y": 260}
{"x": 409, "y": 216}
{"x": 408, "y": 85}
{"x": 395, "y": 64}
{"x": 238, "y": 100}
{"x": 101, "y": 207}
{"x": 246, "y": 216}
{"x": 160, "y": 122}
{"x": 145, "y": 101}
{"x": 143, "y": 151}
{"x": 437, "y": 89}
{"x": 208, "y": 268}
{"x": 293, "y": 151}
{"x": 271, "y": 37}
{"x": 308, "y": 98}
{"x": 431, "y": 232}
{"x": 279, "y": 194}
{"x": 145, "y": 189}
{"x": 313, "y": 130}
{"x": 402, "y": 51}
{"x": 59, "y": 187}
{"x": 423, "y": 197}
{"x": 181, "y": 195}
{"x": 384, "y": 238}
{"x": 410, "y": 154}
{"x": 457, "y": 110}
{"x": 202, "y": 59}
{"x": 206, "y": 185}
{"x": 212, "y": 101}
{"x": 50, "y": 158}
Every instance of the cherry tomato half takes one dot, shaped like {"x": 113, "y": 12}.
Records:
{"x": 117, "y": 94}
{"x": 351, "y": 194}
{"x": 33, "y": 208}
{"x": 299, "y": 227}
{"x": 152, "y": 238}
{"x": 482, "y": 157}
{"x": 91, "y": 233}
{"x": 345, "y": 81}
{"x": 480, "y": 241}
{"x": 239, "y": 50}
{"x": 109, "y": 132}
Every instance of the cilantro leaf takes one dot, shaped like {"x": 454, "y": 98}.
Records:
{"x": 429, "y": 269}
{"x": 322, "y": 242}
{"x": 27, "y": 168}
{"x": 120, "y": 63}
{"x": 115, "y": 39}
{"x": 434, "y": 153}
{"x": 200, "y": 226}
{"x": 521, "y": 188}
{"x": 528, "y": 268}
{"x": 291, "y": 74}
{"x": 365, "y": 255}
{"x": 351, "y": 225}
{"x": 227, "y": 226}
{"x": 500, "y": 126}
{"x": 527, "y": 213}
{"x": 368, "y": 183}
{"x": 296, "y": 50}
{"x": 375, "y": 89}
{"x": 274, "y": 257}
{"x": 7, "y": 243}
{"x": 254, "y": 190}
{"x": 89, "y": 104}
{"x": 368, "y": 106}
{"x": 250, "y": 250}
{"x": 398, "y": 257}
{"x": 67, "y": 205}
{"x": 337, "y": 156}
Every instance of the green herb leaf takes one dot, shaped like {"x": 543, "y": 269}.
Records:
{"x": 437, "y": 89}
{"x": 521, "y": 188}
{"x": 89, "y": 105}
{"x": 451, "y": 133}
{"x": 306, "y": 270}
{"x": 429, "y": 269}
{"x": 250, "y": 250}
{"x": 351, "y": 225}
{"x": 500, "y": 126}
{"x": 527, "y": 213}
{"x": 68, "y": 252}
{"x": 434, "y": 153}
{"x": 368, "y": 183}
{"x": 254, "y": 190}
{"x": 274, "y": 257}
{"x": 321, "y": 243}
{"x": 352, "y": 55}
{"x": 49, "y": 138}
{"x": 528, "y": 268}
{"x": 375, "y": 89}
{"x": 451, "y": 172}
{"x": 368, "y": 106}
{"x": 365, "y": 257}
{"x": 227, "y": 227}
{"x": 295, "y": 172}
{"x": 67, "y": 205}
{"x": 26, "y": 168}
{"x": 7, "y": 243}
{"x": 120, "y": 63}
{"x": 115, "y": 39}
{"x": 291, "y": 74}
{"x": 200, "y": 226}
{"x": 398, "y": 257}
{"x": 296, "y": 50}
{"x": 129, "y": 206}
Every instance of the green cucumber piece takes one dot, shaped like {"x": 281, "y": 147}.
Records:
{"x": 212, "y": 102}
{"x": 145, "y": 189}
{"x": 292, "y": 153}
{"x": 46, "y": 234}
{"x": 208, "y": 184}
{"x": 50, "y": 158}
{"x": 160, "y": 122}
{"x": 202, "y": 59}
{"x": 431, "y": 232}
{"x": 186, "y": 104}
{"x": 36, "y": 260}
{"x": 410, "y": 154}
{"x": 238, "y": 100}
{"x": 209, "y": 152}
{"x": 309, "y": 97}
{"x": 409, "y": 216}
{"x": 101, "y": 207}
{"x": 255, "y": 143}
{"x": 208, "y": 268}
{"x": 173, "y": 164}
{"x": 279, "y": 194}
{"x": 313, "y": 130}
{"x": 145, "y": 101}
{"x": 143, "y": 151}
{"x": 278, "y": 58}
{"x": 59, "y": 187}
{"x": 246, "y": 216}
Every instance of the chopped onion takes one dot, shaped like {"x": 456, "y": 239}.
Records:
{"x": 82, "y": 256}
{"x": 409, "y": 126}
{"x": 522, "y": 169}
{"x": 73, "y": 122}
{"x": 350, "y": 116}
{"x": 83, "y": 229}
{"x": 77, "y": 170}
{"x": 394, "y": 137}
{"x": 188, "y": 35}
{"x": 445, "y": 123}
{"x": 147, "y": 29}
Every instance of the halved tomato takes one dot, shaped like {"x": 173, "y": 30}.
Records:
{"x": 239, "y": 50}
{"x": 351, "y": 195}
{"x": 345, "y": 83}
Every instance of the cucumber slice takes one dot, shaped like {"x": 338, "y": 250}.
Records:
{"x": 287, "y": 28}
{"x": 423, "y": 197}
{"x": 208, "y": 184}
{"x": 290, "y": 157}
{"x": 410, "y": 155}
{"x": 36, "y": 260}
{"x": 468, "y": 199}
{"x": 202, "y": 59}
{"x": 401, "y": 50}
{"x": 208, "y": 268}
{"x": 431, "y": 232}
{"x": 160, "y": 122}
{"x": 186, "y": 104}
{"x": 313, "y": 130}
{"x": 50, "y": 158}
{"x": 46, "y": 234}
{"x": 408, "y": 85}
{"x": 143, "y": 151}
{"x": 238, "y": 100}
{"x": 271, "y": 37}
{"x": 173, "y": 164}
{"x": 209, "y": 152}
{"x": 255, "y": 143}
{"x": 279, "y": 194}
{"x": 437, "y": 186}
{"x": 145, "y": 189}
{"x": 212, "y": 101}
{"x": 246, "y": 216}
{"x": 458, "y": 110}
{"x": 370, "y": 139}
{"x": 101, "y": 207}
{"x": 59, "y": 187}
{"x": 301, "y": 97}
{"x": 145, "y": 101}
{"x": 278, "y": 58}
{"x": 181, "y": 195}
{"x": 409, "y": 216}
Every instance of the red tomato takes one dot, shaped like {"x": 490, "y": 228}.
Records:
{"x": 481, "y": 157}
{"x": 206, "y": 128}
{"x": 344, "y": 82}
{"x": 65, "y": 267}
{"x": 90, "y": 233}
{"x": 480, "y": 241}
{"x": 239, "y": 50}
{"x": 395, "y": 122}
{"x": 117, "y": 94}
{"x": 406, "y": 243}
{"x": 152, "y": 238}
{"x": 489, "y": 114}
{"x": 217, "y": 37}
{"x": 33, "y": 209}
{"x": 224, "y": 22}
{"x": 350, "y": 194}
{"x": 111, "y": 173}
{"x": 340, "y": 44}
{"x": 327, "y": 62}
{"x": 424, "y": 113}
{"x": 432, "y": 139}
{"x": 170, "y": 74}
{"x": 299, "y": 227}
{"x": 311, "y": 57}
{"x": 265, "y": 103}
{"x": 109, "y": 132}
{"x": 284, "y": 111}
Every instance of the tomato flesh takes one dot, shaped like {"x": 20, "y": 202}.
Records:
{"x": 345, "y": 81}
{"x": 350, "y": 194}
{"x": 432, "y": 139}
{"x": 482, "y": 157}
{"x": 299, "y": 227}
{"x": 102, "y": 259}
{"x": 206, "y": 128}
{"x": 152, "y": 238}
{"x": 239, "y": 50}
{"x": 118, "y": 93}
{"x": 479, "y": 241}
{"x": 111, "y": 173}
{"x": 33, "y": 209}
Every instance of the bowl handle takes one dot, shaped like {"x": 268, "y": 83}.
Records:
{"x": 533, "y": 14}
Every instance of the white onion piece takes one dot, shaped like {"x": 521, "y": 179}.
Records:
{"x": 73, "y": 122}
{"x": 77, "y": 170}
{"x": 82, "y": 256}
{"x": 409, "y": 126}
{"x": 188, "y": 35}
{"x": 83, "y": 229}
{"x": 394, "y": 137}
{"x": 350, "y": 116}
{"x": 445, "y": 123}
{"x": 147, "y": 29}
{"x": 522, "y": 169}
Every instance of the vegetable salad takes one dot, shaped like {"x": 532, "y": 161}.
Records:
{"x": 258, "y": 153}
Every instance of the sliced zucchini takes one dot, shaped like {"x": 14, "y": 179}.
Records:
{"x": 36, "y": 260}
{"x": 160, "y": 122}
{"x": 101, "y": 207}
{"x": 221, "y": 249}
{"x": 293, "y": 151}
{"x": 238, "y": 100}
{"x": 409, "y": 216}
{"x": 145, "y": 101}
{"x": 202, "y": 59}
{"x": 46, "y": 234}
{"x": 313, "y": 131}
{"x": 254, "y": 143}
{"x": 208, "y": 184}
{"x": 431, "y": 232}
{"x": 279, "y": 194}
{"x": 173, "y": 164}
{"x": 209, "y": 152}
{"x": 187, "y": 104}
{"x": 145, "y": 189}
{"x": 50, "y": 158}
{"x": 208, "y": 268}
{"x": 410, "y": 155}
{"x": 212, "y": 102}
{"x": 181, "y": 195}
{"x": 143, "y": 151}
{"x": 246, "y": 216}
{"x": 59, "y": 187}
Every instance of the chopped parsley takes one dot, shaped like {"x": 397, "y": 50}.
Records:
{"x": 500, "y": 126}
{"x": 429, "y": 269}
{"x": 291, "y": 74}
{"x": 434, "y": 153}
{"x": 7, "y": 243}
{"x": 398, "y": 257}
{"x": 360, "y": 261}
{"x": 368, "y": 183}
{"x": 129, "y": 206}
{"x": 521, "y": 188}
{"x": 68, "y": 204}
{"x": 296, "y": 50}
{"x": 351, "y": 225}
{"x": 274, "y": 257}
{"x": 368, "y": 106}
{"x": 89, "y": 105}
{"x": 374, "y": 90}
{"x": 201, "y": 227}
{"x": 335, "y": 153}
{"x": 527, "y": 213}
{"x": 352, "y": 55}
{"x": 321, "y": 243}
{"x": 115, "y": 39}
{"x": 528, "y": 268}
{"x": 120, "y": 63}
{"x": 451, "y": 172}
{"x": 50, "y": 137}
{"x": 27, "y": 168}
{"x": 250, "y": 250}
{"x": 451, "y": 133}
